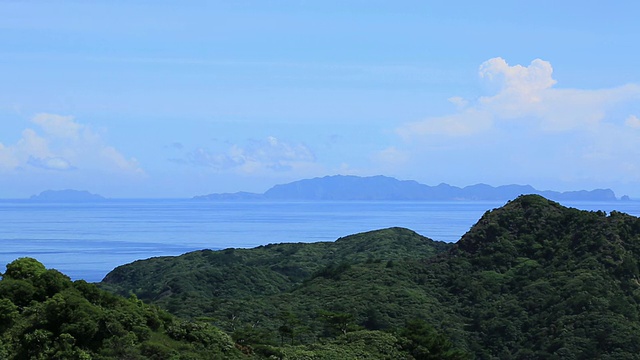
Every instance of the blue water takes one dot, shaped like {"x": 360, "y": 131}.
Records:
{"x": 87, "y": 240}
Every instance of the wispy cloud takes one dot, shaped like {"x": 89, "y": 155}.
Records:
{"x": 466, "y": 122}
{"x": 60, "y": 143}
{"x": 633, "y": 122}
{"x": 54, "y": 163}
{"x": 390, "y": 158}
{"x": 270, "y": 154}
{"x": 175, "y": 145}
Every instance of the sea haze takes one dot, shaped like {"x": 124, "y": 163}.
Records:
{"x": 87, "y": 240}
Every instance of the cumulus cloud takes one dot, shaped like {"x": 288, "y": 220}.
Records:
{"x": 537, "y": 130}
{"x": 54, "y": 163}
{"x": 518, "y": 79}
{"x": 255, "y": 156}
{"x": 7, "y": 158}
{"x": 523, "y": 95}
{"x": 59, "y": 143}
{"x": 58, "y": 126}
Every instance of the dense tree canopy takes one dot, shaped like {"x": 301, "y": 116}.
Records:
{"x": 532, "y": 279}
{"x": 44, "y": 315}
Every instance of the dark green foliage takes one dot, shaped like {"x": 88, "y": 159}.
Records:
{"x": 216, "y": 283}
{"x": 8, "y": 314}
{"x": 338, "y": 323}
{"x": 287, "y": 293}
{"x": 542, "y": 280}
{"x": 332, "y": 271}
{"x": 423, "y": 342}
{"x": 24, "y": 268}
{"x": 44, "y": 315}
{"x": 20, "y": 292}
{"x": 530, "y": 280}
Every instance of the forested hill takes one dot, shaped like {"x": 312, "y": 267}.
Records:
{"x": 532, "y": 279}
{"x": 186, "y": 284}
{"x": 44, "y": 315}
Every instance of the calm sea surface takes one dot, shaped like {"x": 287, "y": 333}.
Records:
{"x": 87, "y": 240}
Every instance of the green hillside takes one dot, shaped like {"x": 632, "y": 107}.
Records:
{"x": 44, "y": 315}
{"x": 535, "y": 279}
{"x": 532, "y": 279}
{"x": 195, "y": 284}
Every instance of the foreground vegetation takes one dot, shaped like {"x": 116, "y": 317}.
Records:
{"x": 44, "y": 315}
{"x": 530, "y": 280}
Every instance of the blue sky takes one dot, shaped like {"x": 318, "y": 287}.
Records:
{"x": 176, "y": 99}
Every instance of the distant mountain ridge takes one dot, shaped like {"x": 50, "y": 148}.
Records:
{"x": 383, "y": 188}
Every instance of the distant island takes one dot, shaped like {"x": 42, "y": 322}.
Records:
{"x": 384, "y": 188}
{"x": 66, "y": 196}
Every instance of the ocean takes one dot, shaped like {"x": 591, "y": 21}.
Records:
{"x": 87, "y": 240}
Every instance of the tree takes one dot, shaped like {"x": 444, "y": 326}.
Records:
{"x": 423, "y": 342}
{"x": 8, "y": 313}
{"x": 50, "y": 283}
{"x": 24, "y": 268}
{"x": 338, "y": 322}
{"x": 20, "y": 292}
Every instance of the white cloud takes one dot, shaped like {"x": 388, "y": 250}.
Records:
{"x": 537, "y": 131}
{"x": 520, "y": 90}
{"x": 58, "y": 126}
{"x": 7, "y": 158}
{"x": 464, "y": 123}
{"x": 270, "y": 154}
{"x": 32, "y": 144}
{"x": 55, "y": 163}
{"x": 633, "y": 122}
{"x": 458, "y": 101}
{"x": 518, "y": 79}
{"x": 60, "y": 143}
{"x": 524, "y": 96}
{"x": 111, "y": 156}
